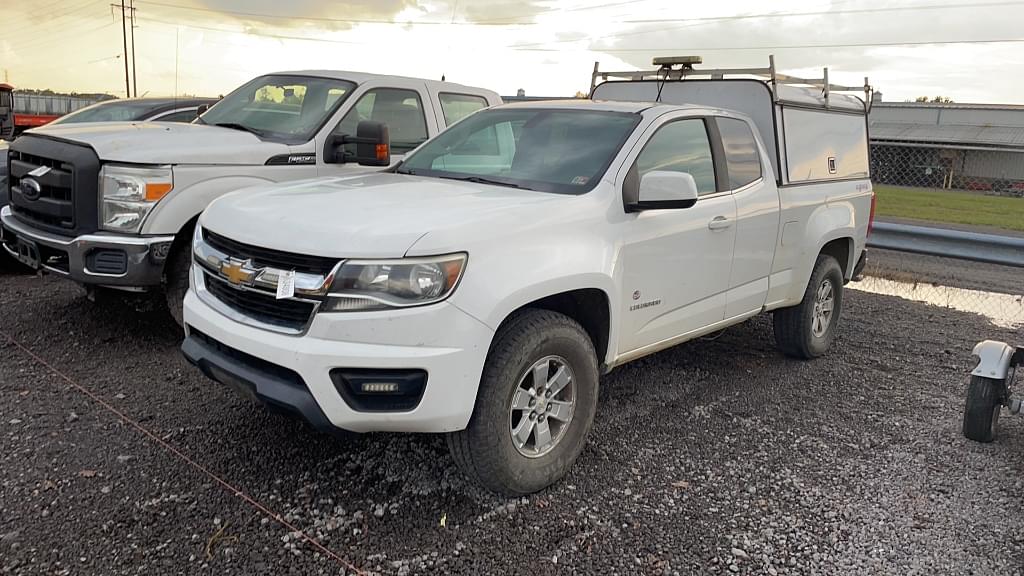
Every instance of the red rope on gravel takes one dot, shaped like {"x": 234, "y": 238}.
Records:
{"x": 170, "y": 448}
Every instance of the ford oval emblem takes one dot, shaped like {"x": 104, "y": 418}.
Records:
{"x": 31, "y": 189}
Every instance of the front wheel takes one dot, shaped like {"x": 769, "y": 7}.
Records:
{"x": 806, "y": 330}
{"x": 535, "y": 405}
{"x": 981, "y": 413}
{"x": 176, "y": 281}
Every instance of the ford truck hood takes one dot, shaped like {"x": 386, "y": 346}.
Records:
{"x": 378, "y": 215}
{"x": 166, "y": 142}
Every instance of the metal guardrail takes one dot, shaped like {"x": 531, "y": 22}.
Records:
{"x": 987, "y": 248}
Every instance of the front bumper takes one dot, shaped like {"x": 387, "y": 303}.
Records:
{"x": 144, "y": 256}
{"x": 446, "y": 343}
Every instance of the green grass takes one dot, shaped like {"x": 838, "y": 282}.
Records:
{"x": 948, "y": 206}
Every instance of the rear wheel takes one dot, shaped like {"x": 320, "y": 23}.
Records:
{"x": 981, "y": 413}
{"x": 535, "y": 405}
{"x": 806, "y": 330}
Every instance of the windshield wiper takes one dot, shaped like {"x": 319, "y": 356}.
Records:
{"x": 237, "y": 126}
{"x": 483, "y": 180}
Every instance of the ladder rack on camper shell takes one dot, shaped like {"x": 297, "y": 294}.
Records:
{"x": 668, "y": 71}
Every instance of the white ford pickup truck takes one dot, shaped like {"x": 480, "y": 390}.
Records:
{"x": 113, "y": 204}
{"x": 481, "y": 287}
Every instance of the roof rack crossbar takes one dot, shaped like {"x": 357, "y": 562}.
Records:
{"x": 769, "y": 75}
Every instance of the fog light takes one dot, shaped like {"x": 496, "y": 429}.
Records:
{"x": 380, "y": 390}
{"x": 379, "y": 387}
{"x": 159, "y": 251}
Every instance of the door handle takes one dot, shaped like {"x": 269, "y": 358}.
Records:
{"x": 719, "y": 223}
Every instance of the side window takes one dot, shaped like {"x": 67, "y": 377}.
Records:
{"x": 179, "y": 116}
{"x": 681, "y": 146}
{"x": 740, "y": 152}
{"x": 455, "y": 107}
{"x": 401, "y": 110}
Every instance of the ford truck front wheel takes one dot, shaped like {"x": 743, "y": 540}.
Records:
{"x": 535, "y": 406}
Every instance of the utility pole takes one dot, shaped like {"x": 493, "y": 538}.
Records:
{"x": 124, "y": 38}
{"x": 135, "y": 79}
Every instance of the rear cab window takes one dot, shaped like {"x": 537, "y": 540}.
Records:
{"x": 741, "y": 155}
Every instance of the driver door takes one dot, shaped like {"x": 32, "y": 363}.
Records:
{"x": 402, "y": 109}
{"x": 676, "y": 262}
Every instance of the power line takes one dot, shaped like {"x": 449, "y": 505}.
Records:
{"x": 250, "y": 33}
{"x": 784, "y": 47}
{"x": 52, "y": 23}
{"x": 708, "y": 19}
{"x": 62, "y": 37}
{"x": 325, "y": 19}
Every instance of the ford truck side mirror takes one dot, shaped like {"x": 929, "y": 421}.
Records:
{"x": 373, "y": 145}
{"x": 663, "y": 190}
{"x": 201, "y": 109}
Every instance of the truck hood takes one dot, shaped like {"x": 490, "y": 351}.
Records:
{"x": 166, "y": 142}
{"x": 377, "y": 215}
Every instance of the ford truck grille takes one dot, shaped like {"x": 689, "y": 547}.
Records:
{"x": 53, "y": 185}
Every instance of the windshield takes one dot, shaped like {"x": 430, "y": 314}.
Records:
{"x": 563, "y": 151}
{"x": 108, "y": 111}
{"x": 282, "y": 107}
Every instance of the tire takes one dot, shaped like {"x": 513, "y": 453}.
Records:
{"x": 796, "y": 333}
{"x": 485, "y": 451}
{"x": 176, "y": 279}
{"x": 981, "y": 413}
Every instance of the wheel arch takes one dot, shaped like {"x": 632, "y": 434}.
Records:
{"x": 586, "y": 304}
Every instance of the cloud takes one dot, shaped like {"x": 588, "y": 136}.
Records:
{"x": 297, "y": 13}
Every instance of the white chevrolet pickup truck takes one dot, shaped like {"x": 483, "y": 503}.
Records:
{"x": 482, "y": 286}
{"x": 113, "y": 204}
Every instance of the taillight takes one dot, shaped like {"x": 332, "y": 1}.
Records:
{"x": 871, "y": 218}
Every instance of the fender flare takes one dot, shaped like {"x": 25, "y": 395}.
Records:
{"x": 994, "y": 359}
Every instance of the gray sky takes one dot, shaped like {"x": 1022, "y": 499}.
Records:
{"x": 546, "y": 47}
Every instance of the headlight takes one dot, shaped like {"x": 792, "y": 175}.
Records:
{"x": 127, "y": 195}
{"x": 381, "y": 284}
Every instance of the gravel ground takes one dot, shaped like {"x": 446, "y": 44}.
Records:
{"x": 718, "y": 456}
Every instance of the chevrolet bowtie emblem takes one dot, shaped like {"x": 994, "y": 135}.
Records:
{"x": 237, "y": 272}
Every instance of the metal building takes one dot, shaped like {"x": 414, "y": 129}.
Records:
{"x": 952, "y": 146}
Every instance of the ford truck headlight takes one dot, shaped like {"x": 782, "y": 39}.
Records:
{"x": 127, "y": 194}
{"x": 361, "y": 285}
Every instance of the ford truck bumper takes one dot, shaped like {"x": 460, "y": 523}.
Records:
{"x": 99, "y": 259}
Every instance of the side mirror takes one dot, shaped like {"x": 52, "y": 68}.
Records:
{"x": 373, "y": 145}
{"x": 664, "y": 190}
{"x": 201, "y": 109}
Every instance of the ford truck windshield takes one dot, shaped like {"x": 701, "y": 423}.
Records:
{"x": 280, "y": 107}
{"x": 563, "y": 151}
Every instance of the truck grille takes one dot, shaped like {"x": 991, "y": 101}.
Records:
{"x": 260, "y": 306}
{"x": 62, "y": 198}
{"x": 268, "y": 258}
{"x": 54, "y": 204}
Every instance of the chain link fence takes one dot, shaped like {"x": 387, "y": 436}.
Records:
{"x": 943, "y": 167}
{"x": 996, "y": 292}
